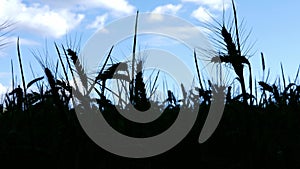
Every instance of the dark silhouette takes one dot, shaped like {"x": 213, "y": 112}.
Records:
{"x": 39, "y": 129}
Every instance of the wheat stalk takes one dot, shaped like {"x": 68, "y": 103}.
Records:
{"x": 21, "y": 68}
{"x": 62, "y": 63}
{"x": 70, "y": 67}
{"x": 197, "y": 67}
{"x": 101, "y": 71}
{"x": 283, "y": 78}
{"x": 297, "y": 74}
{"x": 131, "y": 85}
{"x": 79, "y": 68}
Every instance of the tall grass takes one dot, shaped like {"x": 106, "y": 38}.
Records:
{"x": 56, "y": 139}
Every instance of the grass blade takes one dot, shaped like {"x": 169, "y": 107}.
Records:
{"x": 34, "y": 81}
{"x": 236, "y": 28}
{"x": 106, "y": 60}
{"x": 134, "y": 44}
{"x": 62, "y": 64}
{"x": 153, "y": 86}
{"x": 131, "y": 86}
{"x": 263, "y": 62}
{"x": 197, "y": 67}
{"x": 283, "y": 78}
{"x": 296, "y": 78}
{"x": 12, "y": 75}
{"x": 101, "y": 71}
{"x": 21, "y": 66}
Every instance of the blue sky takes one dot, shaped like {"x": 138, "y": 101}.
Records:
{"x": 275, "y": 30}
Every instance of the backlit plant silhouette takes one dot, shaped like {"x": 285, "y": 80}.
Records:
{"x": 39, "y": 127}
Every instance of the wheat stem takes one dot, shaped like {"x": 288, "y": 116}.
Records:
{"x": 197, "y": 67}
{"x": 62, "y": 63}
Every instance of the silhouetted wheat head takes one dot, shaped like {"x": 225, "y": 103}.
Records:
{"x": 228, "y": 41}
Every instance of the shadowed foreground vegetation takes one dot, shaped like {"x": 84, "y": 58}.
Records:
{"x": 39, "y": 128}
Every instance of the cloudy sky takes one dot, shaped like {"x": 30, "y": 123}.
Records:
{"x": 273, "y": 25}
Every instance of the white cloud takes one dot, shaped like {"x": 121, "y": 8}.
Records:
{"x": 3, "y": 90}
{"x": 167, "y": 9}
{"x": 98, "y": 23}
{"x": 158, "y": 41}
{"x": 54, "y": 18}
{"x": 116, "y": 6}
{"x": 156, "y": 14}
{"x": 202, "y": 15}
{"x": 13, "y": 40}
{"x": 212, "y": 4}
{"x": 39, "y": 18}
